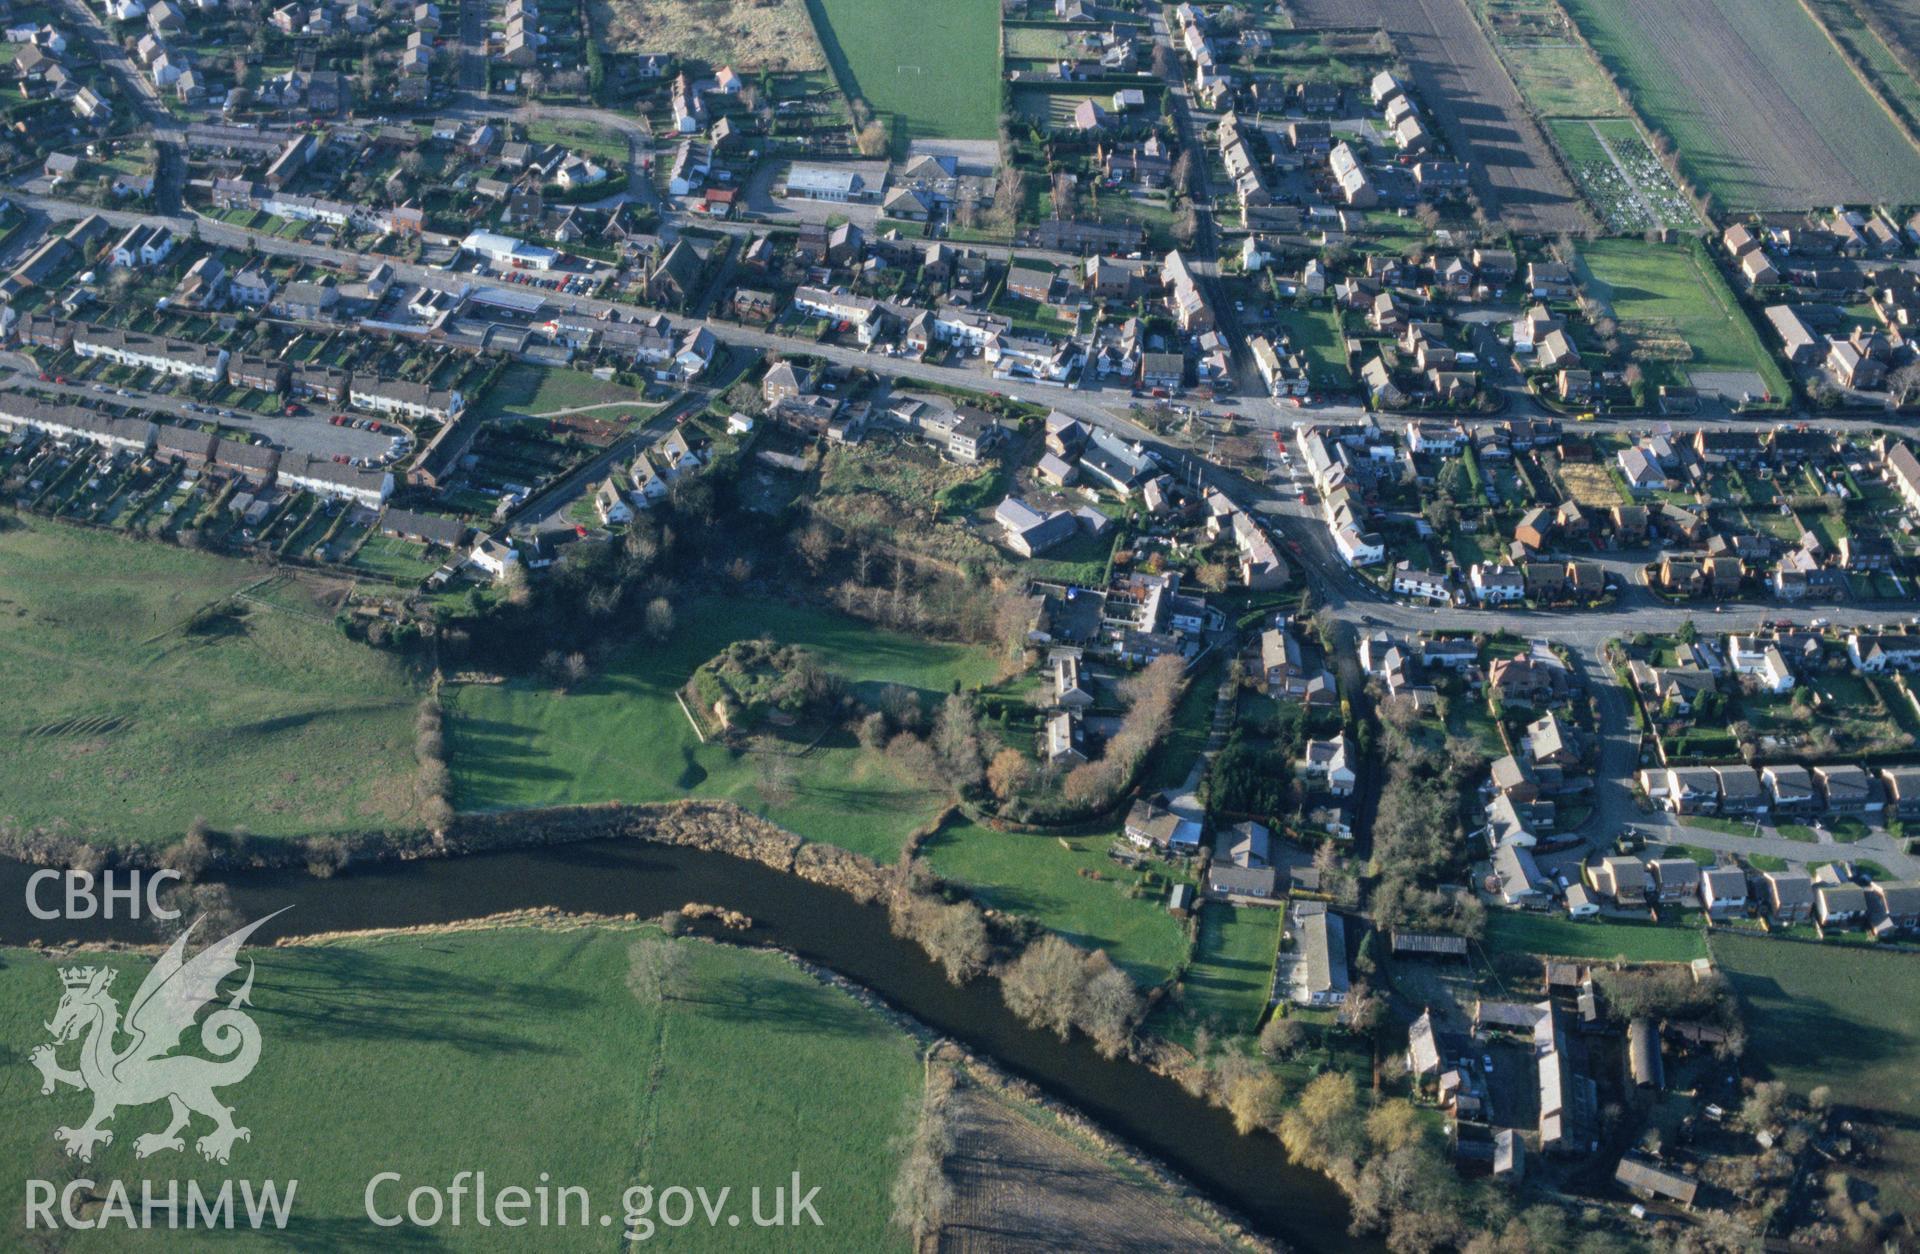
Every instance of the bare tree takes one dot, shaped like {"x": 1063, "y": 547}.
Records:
{"x": 1109, "y": 1006}
{"x": 921, "y": 1193}
{"x": 659, "y": 618}
{"x": 1042, "y": 986}
{"x": 1904, "y": 382}
{"x": 656, "y": 969}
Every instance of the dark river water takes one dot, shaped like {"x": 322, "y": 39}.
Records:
{"x": 1249, "y": 1174}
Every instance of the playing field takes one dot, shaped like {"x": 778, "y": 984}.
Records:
{"x": 528, "y": 1054}
{"x": 622, "y": 735}
{"x": 1843, "y": 1017}
{"x": 934, "y": 67}
{"x": 124, "y": 718}
{"x": 1766, "y": 114}
{"x": 1669, "y": 298}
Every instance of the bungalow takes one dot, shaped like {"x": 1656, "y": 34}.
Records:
{"x": 1069, "y": 689}
{"x": 1242, "y": 865}
{"x": 1800, "y": 342}
{"x": 1320, "y": 970}
{"x": 1518, "y": 877}
{"x": 1062, "y": 734}
{"x": 1640, "y": 470}
{"x": 1151, "y": 825}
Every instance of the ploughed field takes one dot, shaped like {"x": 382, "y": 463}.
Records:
{"x": 1765, "y": 113}
{"x": 1461, "y": 83}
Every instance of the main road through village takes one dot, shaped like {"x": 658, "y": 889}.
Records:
{"x": 1342, "y": 592}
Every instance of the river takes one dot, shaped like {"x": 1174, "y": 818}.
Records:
{"x": 1249, "y": 1174}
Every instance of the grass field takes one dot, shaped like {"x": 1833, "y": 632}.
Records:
{"x": 1764, "y": 112}
{"x": 124, "y": 726}
{"x": 1069, "y": 885}
{"x": 1511, "y": 931}
{"x": 935, "y": 68}
{"x": 515, "y": 1051}
{"x": 1664, "y": 292}
{"x": 1843, "y": 1017}
{"x": 535, "y": 390}
{"x": 622, "y": 735}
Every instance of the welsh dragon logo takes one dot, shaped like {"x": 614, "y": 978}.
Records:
{"x": 147, "y": 1069}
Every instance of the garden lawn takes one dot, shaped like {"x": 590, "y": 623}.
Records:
{"x": 1231, "y": 977}
{"x": 1316, "y": 332}
{"x": 518, "y": 1052}
{"x": 1070, "y": 885}
{"x": 934, "y": 67}
{"x": 1842, "y": 1017}
{"x": 604, "y": 144}
{"x": 622, "y": 737}
{"x": 123, "y": 727}
{"x": 1510, "y": 931}
{"x": 1670, "y": 290}
{"x": 396, "y": 558}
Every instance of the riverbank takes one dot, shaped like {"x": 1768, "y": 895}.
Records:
{"x": 766, "y": 875}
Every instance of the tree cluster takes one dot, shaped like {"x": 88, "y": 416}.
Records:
{"x": 1055, "y": 986}
{"x": 1152, "y": 696}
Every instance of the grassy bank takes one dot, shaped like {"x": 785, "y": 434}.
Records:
{"x": 127, "y": 718}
